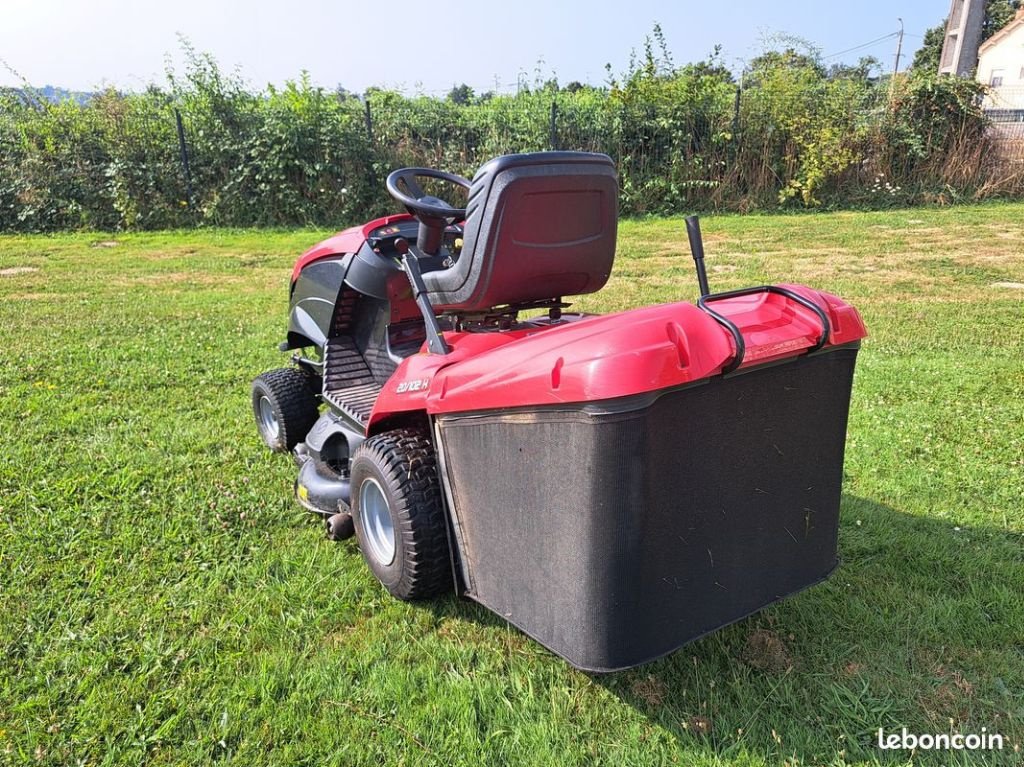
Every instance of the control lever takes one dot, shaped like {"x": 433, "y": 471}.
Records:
{"x": 410, "y": 264}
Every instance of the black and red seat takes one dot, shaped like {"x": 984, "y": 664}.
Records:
{"x": 538, "y": 226}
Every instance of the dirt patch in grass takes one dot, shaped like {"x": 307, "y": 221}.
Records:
{"x": 675, "y": 252}
{"x": 868, "y": 272}
{"x": 167, "y": 255}
{"x": 106, "y": 244}
{"x": 29, "y": 296}
{"x": 852, "y": 669}
{"x": 1009, "y": 285}
{"x": 10, "y": 271}
{"x": 987, "y": 255}
{"x": 177, "y": 280}
{"x": 256, "y": 259}
{"x": 698, "y": 725}
{"x": 949, "y": 697}
{"x": 921, "y": 230}
{"x": 766, "y": 651}
{"x": 651, "y": 690}
{"x": 945, "y": 704}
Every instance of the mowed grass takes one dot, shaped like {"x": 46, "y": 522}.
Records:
{"x": 163, "y": 601}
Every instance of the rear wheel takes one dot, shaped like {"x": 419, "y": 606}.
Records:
{"x": 285, "y": 407}
{"x": 399, "y": 520}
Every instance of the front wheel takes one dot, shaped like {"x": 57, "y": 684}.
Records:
{"x": 285, "y": 407}
{"x": 399, "y": 520}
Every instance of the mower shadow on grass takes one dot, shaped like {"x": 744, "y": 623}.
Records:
{"x": 911, "y": 630}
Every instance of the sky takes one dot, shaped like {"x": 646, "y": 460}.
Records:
{"x": 425, "y": 47}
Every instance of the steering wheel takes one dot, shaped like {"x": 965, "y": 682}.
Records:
{"x": 430, "y": 210}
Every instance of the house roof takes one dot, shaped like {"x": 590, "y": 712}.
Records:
{"x": 1017, "y": 21}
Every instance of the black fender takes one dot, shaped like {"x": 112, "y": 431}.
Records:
{"x": 318, "y": 287}
{"x": 313, "y": 297}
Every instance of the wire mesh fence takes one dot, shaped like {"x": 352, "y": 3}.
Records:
{"x": 1003, "y": 105}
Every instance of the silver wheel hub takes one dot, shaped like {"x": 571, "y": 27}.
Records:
{"x": 268, "y": 421}
{"x": 378, "y": 529}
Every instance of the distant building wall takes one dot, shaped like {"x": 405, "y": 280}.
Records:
{"x": 963, "y": 36}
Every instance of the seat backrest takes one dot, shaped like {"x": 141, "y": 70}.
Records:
{"x": 538, "y": 226}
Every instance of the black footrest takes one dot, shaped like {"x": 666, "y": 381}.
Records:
{"x": 355, "y": 401}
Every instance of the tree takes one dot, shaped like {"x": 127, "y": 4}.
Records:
{"x": 788, "y": 60}
{"x": 656, "y": 64}
{"x": 712, "y": 67}
{"x": 926, "y": 60}
{"x": 461, "y": 95}
{"x": 867, "y": 69}
{"x": 998, "y": 13}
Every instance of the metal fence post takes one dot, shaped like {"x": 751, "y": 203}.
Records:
{"x": 183, "y": 150}
{"x": 553, "y": 132}
{"x": 736, "y": 122}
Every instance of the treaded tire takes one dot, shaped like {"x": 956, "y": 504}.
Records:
{"x": 402, "y": 467}
{"x": 285, "y": 407}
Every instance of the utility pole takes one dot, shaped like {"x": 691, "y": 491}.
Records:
{"x": 899, "y": 49}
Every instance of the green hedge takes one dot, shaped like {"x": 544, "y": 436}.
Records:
{"x": 683, "y": 138}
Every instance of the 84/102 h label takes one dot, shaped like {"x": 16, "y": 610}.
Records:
{"x": 417, "y": 384}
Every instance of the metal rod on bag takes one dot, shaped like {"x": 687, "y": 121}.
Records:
{"x": 697, "y": 249}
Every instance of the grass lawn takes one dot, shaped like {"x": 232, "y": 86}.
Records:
{"x": 165, "y": 602}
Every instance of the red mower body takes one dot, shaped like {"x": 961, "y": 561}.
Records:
{"x": 346, "y": 241}
{"x": 588, "y": 358}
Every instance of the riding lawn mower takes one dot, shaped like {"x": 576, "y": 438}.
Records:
{"x": 614, "y": 485}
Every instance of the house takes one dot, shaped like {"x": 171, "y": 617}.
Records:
{"x": 1001, "y": 68}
